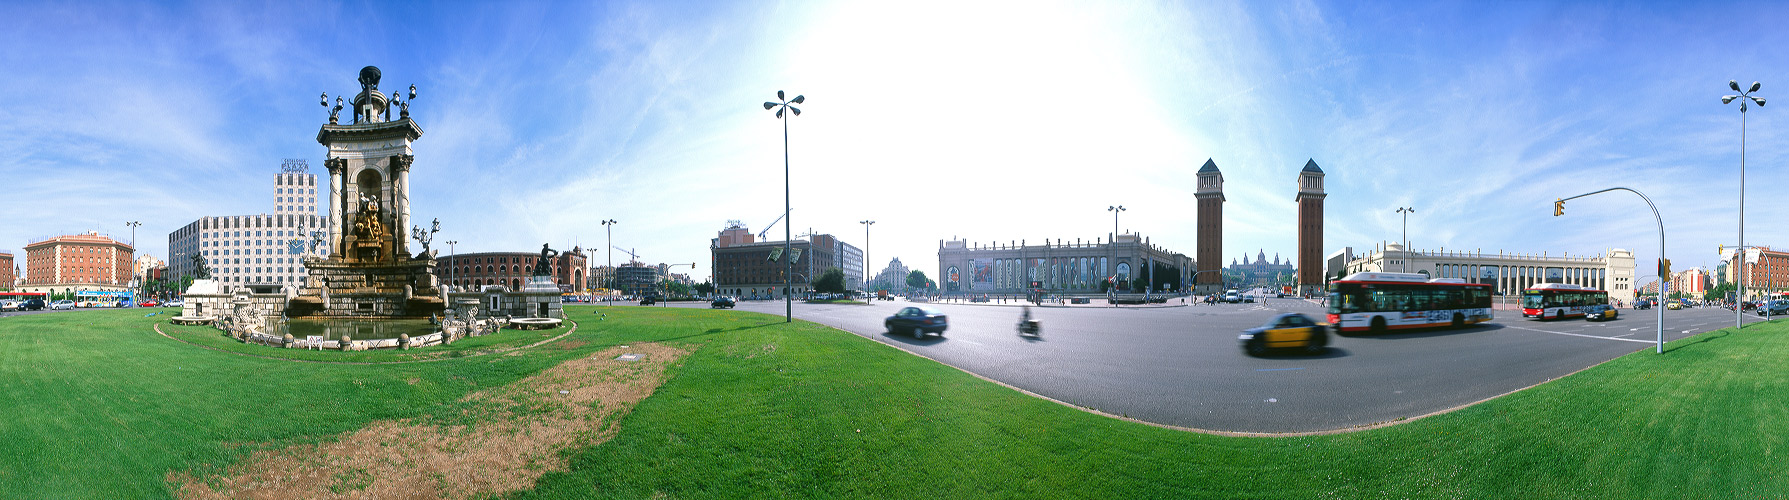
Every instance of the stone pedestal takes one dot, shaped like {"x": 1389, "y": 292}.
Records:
{"x": 338, "y": 289}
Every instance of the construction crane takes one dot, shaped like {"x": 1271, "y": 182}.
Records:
{"x": 761, "y": 234}
{"x": 629, "y": 252}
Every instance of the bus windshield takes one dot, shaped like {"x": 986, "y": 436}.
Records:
{"x": 1533, "y": 301}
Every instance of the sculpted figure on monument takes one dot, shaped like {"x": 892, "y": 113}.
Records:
{"x": 544, "y": 266}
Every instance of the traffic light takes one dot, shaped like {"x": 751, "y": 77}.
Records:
{"x": 1722, "y": 250}
{"x": 1664, "y": 268}
{"x": 1558, "y": 208}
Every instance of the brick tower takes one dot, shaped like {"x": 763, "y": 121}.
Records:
{"x": 1310, "y": 228}
{"x": 1210, "y": 252}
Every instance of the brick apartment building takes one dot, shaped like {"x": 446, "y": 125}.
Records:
{"x": 80, "y": 262}
{"x": 510, "y": 269}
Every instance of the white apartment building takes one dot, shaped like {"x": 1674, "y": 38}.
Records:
{"x": 264, "y": 249}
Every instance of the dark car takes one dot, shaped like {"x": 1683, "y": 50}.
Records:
{"x": 1600, "y": 312}
{"x": 31, "y": 305}
{"x": 917, "y": 320}
{"x": 720, "y": 302}
{"x": 1289, "y": 330}
{"x": 648, "y": 300}
{"x": 1641, "y": 304}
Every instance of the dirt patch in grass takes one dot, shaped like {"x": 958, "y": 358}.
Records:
{"x": 578, "y": 403}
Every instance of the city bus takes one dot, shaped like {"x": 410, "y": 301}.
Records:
{"x": 1376, "y": 302}
{"x": 1560, "y": 300}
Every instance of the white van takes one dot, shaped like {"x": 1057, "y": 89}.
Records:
{"x": 1233, "y": 296}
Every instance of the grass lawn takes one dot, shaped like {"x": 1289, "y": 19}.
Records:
{"x": 99, "y": 406}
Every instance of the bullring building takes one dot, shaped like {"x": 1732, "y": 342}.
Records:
{"x": 264, "y": 249}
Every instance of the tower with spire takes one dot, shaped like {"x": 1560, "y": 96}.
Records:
{"x": 1210, "y": 253}
{"x": 1310, "y": 228}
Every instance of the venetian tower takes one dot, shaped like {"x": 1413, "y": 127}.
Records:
{"x": 1310, "y": 228}
{"x": 1210, "y": 251}
{"x": 369, "y": 271}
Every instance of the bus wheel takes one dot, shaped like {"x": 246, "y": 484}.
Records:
{"x": 1378, "y": 325}
{"x": 1459, "y": 320}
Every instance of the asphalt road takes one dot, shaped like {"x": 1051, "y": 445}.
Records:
{"x": 1183, "y": 366}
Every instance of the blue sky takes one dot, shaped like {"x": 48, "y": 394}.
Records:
{"x": 987, "y": 121}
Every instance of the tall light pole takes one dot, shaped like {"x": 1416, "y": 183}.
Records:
{"x": 133, "y": 257}
{"x": 609, "y": 228}
{"x": 789, "y": 275}
{"x": 1738, "y": 319}
{"x": 453, "y": 260}
{"x": 866, "y": 253}
{"x": 1406, "y": 257}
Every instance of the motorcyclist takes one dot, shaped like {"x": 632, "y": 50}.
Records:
{"x": 1025, "y": 325}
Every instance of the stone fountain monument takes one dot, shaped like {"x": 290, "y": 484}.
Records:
{"x": 369, "y": 272}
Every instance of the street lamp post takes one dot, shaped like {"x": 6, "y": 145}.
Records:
{"x": 609, "y": 228}
{"x": 1738, "y": 319}
{"x": 453, "y": 260}
{"x": 866, "y": 255}
{"x": 1406, "y": 256}
{"x": 133, "y": 264}
{"x": 789, "y": 275}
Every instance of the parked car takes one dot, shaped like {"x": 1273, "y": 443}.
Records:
{"x": 63, "y": 304}
{"x": 175, "y": 303}
{"x": 9, "y": 305}
{"x": 722, "y": 302}
{"x": 918, "y": 321}
{"x": 31, "y": 305}
{"x": 1600, "y": 312}
{"x": 1289, "y": 330}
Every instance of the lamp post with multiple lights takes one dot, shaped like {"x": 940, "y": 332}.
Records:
{"x": 454, "y": 261}
{"x": 609, "y": 273}
{"x": 1406, "y": 256}
{"x": 866, "y": 256}
{"x": 781, "y": 105}
{"x": 1746, "y": 95}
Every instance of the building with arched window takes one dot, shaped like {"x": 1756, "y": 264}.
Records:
{"x": 1059, "y": 266}
{"x": 469, "y": 271}
{"x": 1508, "y": 273}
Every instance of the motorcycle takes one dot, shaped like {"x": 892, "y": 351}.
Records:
{"x": 1030, "y": 327}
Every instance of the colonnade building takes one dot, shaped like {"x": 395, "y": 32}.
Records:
{"x": 470, "y": 271}
{"x": 1507, "y": 273}
{"x": 1059, "y": 265}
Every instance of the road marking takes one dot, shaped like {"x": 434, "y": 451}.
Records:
{"x": 1582, "y": 335}
{"x": 1620, "y": 336}
{"x": 1277, "y": 369}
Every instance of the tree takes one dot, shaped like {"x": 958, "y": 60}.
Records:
{"x": 705, "y": 288}
{"x": 832, "y": 280}
{"x": 1719, "y": 292}
{"x": 676, "y": 289}
{"x": 917, "y": 279}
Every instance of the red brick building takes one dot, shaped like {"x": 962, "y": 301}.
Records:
{"x": 1310, "y": 229}
{"x": 66, "y": 264}
{"x": 6, "y": 274}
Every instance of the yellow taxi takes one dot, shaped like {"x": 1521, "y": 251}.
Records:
{"x": 1286, "y": 331}
{"x": 1673, "y": 306}
{"x": 1601, "y": 312}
